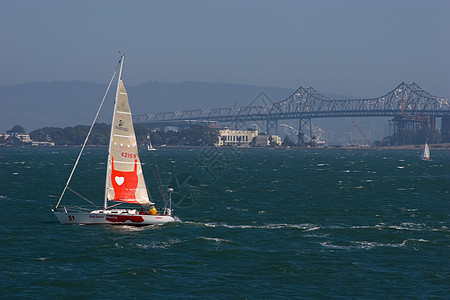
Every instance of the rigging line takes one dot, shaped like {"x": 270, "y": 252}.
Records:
{"x": 163, "y": 195}
{"x": 84, "y": 198}
{"x": 87, "y": 137}
{"x": 115, "y": 205}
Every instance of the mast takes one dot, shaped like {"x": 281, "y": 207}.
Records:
{"x": 119, "y": 78}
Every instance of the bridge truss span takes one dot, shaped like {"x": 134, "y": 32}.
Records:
{"x": 407, "y": 99}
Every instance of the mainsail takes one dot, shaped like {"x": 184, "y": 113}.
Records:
{"x": 426, "y": 152}
{"x": 125, "y": 181}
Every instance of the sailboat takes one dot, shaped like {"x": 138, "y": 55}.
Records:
{"x": 124, "y": 178}
{"x": 426, "y": 153}
{"x": 149, "y": 145}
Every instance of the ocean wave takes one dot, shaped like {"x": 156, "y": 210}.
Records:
{"x": 307, "y": 227}
{"x": 270, "y": 226}
{"x": 158, "y": 244}
{"x": 216, "y": 240}
{"x": 360, "y": 245}
{"x": 367, "y": 245}
{"x": 403, "y": 226}
{"x": 236, "y": 209}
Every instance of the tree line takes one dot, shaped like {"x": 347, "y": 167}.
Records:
{"x": 196, "y": 135}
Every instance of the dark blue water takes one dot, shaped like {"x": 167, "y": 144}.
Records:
{"x": 254, "y": 224}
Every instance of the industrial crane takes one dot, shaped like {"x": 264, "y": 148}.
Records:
{"x": 362, "y": 133}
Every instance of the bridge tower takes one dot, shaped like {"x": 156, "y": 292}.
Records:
{"x": 303, "y": 125}
{"x": 445, "y": 129}
{"x": 272, "y": 124}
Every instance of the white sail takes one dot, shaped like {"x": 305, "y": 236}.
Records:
{"x": 149, "y": 145}
{"x": 125, "y": 181}
{"x": 426, "y": 152}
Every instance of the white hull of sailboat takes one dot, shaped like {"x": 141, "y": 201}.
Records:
{"x": 98, "y": 218}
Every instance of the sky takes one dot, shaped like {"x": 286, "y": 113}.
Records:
{"x": 361, "y": 48}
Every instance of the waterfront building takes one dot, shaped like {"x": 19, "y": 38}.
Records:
{"x": 228, "y": 137}
{"x": 267, "y": 140}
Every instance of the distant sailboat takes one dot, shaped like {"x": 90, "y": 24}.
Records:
{"x": 149, "y": 144}
{"x": 124, "y": 178}
{"x": 426, "y": 153}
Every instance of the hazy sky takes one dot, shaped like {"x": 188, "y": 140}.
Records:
{"x": 360, "y": 48}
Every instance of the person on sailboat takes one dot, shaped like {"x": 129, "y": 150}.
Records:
{"x": 152, "y": 211}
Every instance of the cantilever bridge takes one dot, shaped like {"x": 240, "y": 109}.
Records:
{"x": 408, "y": 103}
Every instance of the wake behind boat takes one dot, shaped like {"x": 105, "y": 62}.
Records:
{"x": 124, "y": 178}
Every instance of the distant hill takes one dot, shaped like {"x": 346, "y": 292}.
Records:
{"x": 66, "y": 104}
{"x": 60, "y": 104}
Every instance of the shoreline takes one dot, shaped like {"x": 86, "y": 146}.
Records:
{"x": 435, "y": 147}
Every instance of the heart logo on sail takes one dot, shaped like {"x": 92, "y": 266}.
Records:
{"x": 119, "y": 180}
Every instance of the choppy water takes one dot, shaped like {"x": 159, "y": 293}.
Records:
{"x": 254, "y": 224}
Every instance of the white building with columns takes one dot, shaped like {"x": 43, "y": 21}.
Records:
{"x": 228, "y": 137}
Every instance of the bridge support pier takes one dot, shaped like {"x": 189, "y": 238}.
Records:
{"x": 303, "y": 124}
{"x": 445, "y": 129}
{"x": 403, "y": 125}
{"x": 272, "y": 124}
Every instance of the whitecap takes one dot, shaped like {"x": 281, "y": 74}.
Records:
{"x": 159, "y": 244}
{"x": 408, "y": 209}
{"x": 238, "y": 226}
{"x": 217, "y": 240}
{"x": 370, "y": 245}
{"x": 362, "y": 245}
{"x": 42, "y": 258}
{"x": 328, "y": 244}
